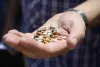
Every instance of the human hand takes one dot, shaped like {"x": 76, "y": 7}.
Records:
{"x": 69, "y": 24}
{"x": 30, "y": 47}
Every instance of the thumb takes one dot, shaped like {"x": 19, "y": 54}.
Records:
{"x": 76, "y": 35}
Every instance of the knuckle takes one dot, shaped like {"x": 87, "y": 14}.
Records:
{"x": 12, "y": 31}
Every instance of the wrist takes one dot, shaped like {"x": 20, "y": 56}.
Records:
{"x": 82, "y": 15}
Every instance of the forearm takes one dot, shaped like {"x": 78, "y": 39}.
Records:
{"x": 13, "y": 9}
{"x": 92, "y": 10}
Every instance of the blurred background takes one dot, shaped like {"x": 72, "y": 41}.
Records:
{"x": 8, "y": 57}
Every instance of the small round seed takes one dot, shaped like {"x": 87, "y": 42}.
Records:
{"x": 40, "y": 37}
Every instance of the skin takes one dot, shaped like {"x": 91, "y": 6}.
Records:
{"x": 69, "y": 24}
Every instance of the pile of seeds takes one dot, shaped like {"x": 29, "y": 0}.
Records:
{"x": 47, "y": 35}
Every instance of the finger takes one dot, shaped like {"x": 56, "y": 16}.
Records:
{"x": 62, "y": 32}
{"x": 16, "y": 32}
{"x": 63, "y": 27}
{"x": 76, "y": 35}
{"x": 11, "y": 39}
{"x": 4, "y": 37}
